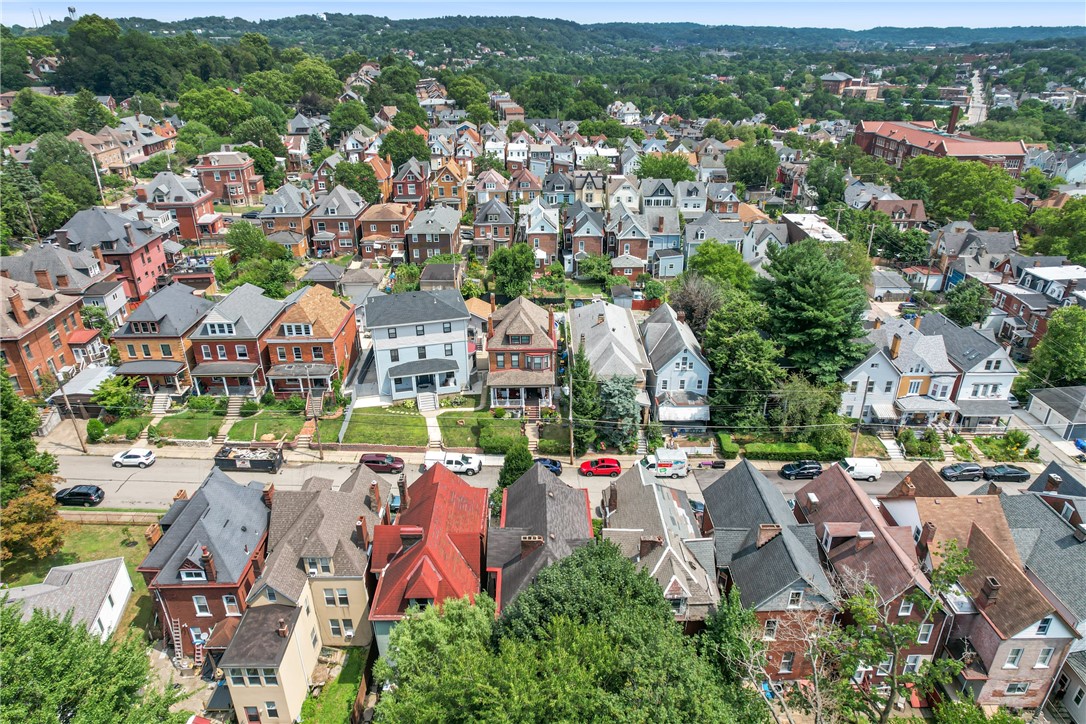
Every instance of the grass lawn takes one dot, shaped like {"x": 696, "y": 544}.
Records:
{"x": 379, "y": 426}
{"x": 870, "y": 446}
{"x": 129, "y": 427}
{"x": 329, "y": 430}
{"x": 228, "y": 209}
{"x": 582, "y": 288}
{"x": 334, "y": 704}
{"x": 190, "y": 425}
{"x": 276, "y": 422}
{"x": 467, "y": 435}
{"x": 93, "y": 543}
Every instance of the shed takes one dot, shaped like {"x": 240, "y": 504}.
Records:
{"x": 80, "y": 389}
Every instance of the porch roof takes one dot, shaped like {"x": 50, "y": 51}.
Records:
{"x": 422, "y": 367}
{"x": 920, "y": 403}
{"x": 984, "y": 408}
{"x": 299, "y": 370}
{"x": 219, "y": 369}
{"x": 151, "y": 367}
{"x": 521, "y": 378}
{"x": 884, "y": 411}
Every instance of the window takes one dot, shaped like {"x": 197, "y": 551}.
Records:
{"x": 422, "y": 352}
{"x": 394, "y": 355}
{"x": 914, "y": 387}
{"x": 787, "y": 660}
{"x": 146, "y": 349}
{"x": 237, "y": 677}
{"x": 905, "y": 609}
{"x": 448, "y": 350}
{"x": 253, "y": 677}
{"x": 1078, "y": 696}
{"x": 329, "y": 597}
{"x": 889, "y": 386}
{"x": 230, "y": 603}
{"x": 795, "y": 598}
{"x": 871, "y": 385}
{"x": 270, "y": 677}
{"x": 166, "y": 350}
{"x": 318, "y": 353}
{"x": 348, "y": 627}
{"x": 131, "y": 350}
{"x": 1013, "y": 659}
{"x": 1017, "y": 687}
{"x": 193, "y": 576}
{"x": 333, "y": 624}
{"x": 297, "y": 353}
{"x": 446, "y": 327}
{"x": 1044, "y": 625}
{"x": 499, "y": 361}
{"x": 272, "y": 709}
{"x": 925, "y": 633}
{"x": 220, "y": 351}
{"x": 318, "y": 565}
{"x": 200, "y": 604}
{"x": 514, "y": 360}
{"x": 281, "y": 353}
{"x": 313, "y": 637}
{"x": 271, "y": 595}
{"x": 392, "y": 333}
{"x": 912, "y": 664}
{"x": 241, "y": 351}
{"x": 420, "y": 330}
{"x": 218, "y": 329}
{"x": 853, "y": 386}
{"x": 1044, "y": 658}
{"x": 297, "y": 330}
{"x": 770, "y": 632}
{"x": 252, "y": 713}
{"x": 885, "y": 666}
{"x": 341, "y": 597}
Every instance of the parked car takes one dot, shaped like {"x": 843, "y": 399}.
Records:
{"x": 550, "y": 464}
{"x": 601, "y": 466}
{"x": 1013, "y": 401}
{"x": 697, "y": 506}
{"x": 962, "y": 471}
{"x": 459, "y": 463}
{"x": 251, "y": 215}
{"x": 908, "y": 307}
{"x": 138, "y": 457}
{"x": 807, "y": 469}
{"x": 394, "y": 504}
{"x": 1080, "y": 443}
{"x": 382, "y": 463}
{"x": 868, "y": 469}
{"x": 85, "y": 495}
{"x": 1004, "y": 473}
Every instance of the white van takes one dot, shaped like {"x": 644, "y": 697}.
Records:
{"x": 667, "y": 463}
{"x": 862, "y": 468}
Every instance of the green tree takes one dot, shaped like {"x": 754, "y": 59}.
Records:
{"x": 596, "y": 163}
{"x": 259, "y": 131}
{"x": 594, "y": 267}
{"x": 466, "y": 90}
{"x": 470, "y": 289}
{"x": 827, "y": 179}
{"x": 968, "y": 302}
{"x": 90, "y": 115}
{"x": 345, "y": 118}
{"x": 410, "y": 115}
{"x": 489, "y": 162}
{"x": 518, "y": 460}
{"x": 853, "y": 255}
{"x": 313, "y": 75}
{"x": 512, "y": 267}
{"x": 480, "y": 113}
{"x": 20, "y": 459}
{"x": 815, "y": 309}
{"x": 959, "y": 189}
{"x": 407, "y": 278}
{"x": 275, "y": 85}
{"x": 401, "y": 146}
{"x": 544, "y": 95}
{"x": 52, "y": 209}
{"x": 95, "y": 318}
{"x": 745, "y": 363}
{"x": 274, "y": 112}
{"x": 782, "y": 114}
{"x": 655, "y": 289}
{"x": 315, "y": 142}
{"x": 620, "y": 412}
{"x": 966, "y": 712}
{"x": 672, "y": 166}
{"x": 37, "y": 114}
{"x": 752, "y": 164}
{"x": 1060, "y": 231}
{"x": 732, "y": 642}
{"x": 77, "y": 188}
{"x": 586, "y": 401}
{"x": 801, "y": 406}
{"x": 722, "y": 263}
{"x": 248, "y": 242}
{"x": 359, "y": 177}
{"x": 264, "y": 163}
{"x": 220, "y": 109}
{"x": 1059, "y": 359}
{"x": 1034, "y": 180}
{"x": 53, "y": 149}
{"x": 118, "y": 397}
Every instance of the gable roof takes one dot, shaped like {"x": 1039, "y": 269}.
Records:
{"x": 340, "y": 201}
{"x": 1071, "y": 484}
{"x": 436, "y": 220}
{"x": 318, "y": 305}
{"x": 56, "y": 260}
{"x": 324, "y": 271}
{"x": 665, "y": 337}
{"x": 521, "y": 317}
{"x": 293, "y": 200}
{"x": 175, "y": 309}
{"x": 114, "y": 233}
{"x": 921, "y": 482}
{"x": 415, "y": 308}
{"x": 1069, "y": 402}
{"x": 916, "y": 348}
{"x": 493, "y": 205}
{"x": 954, "y": 517}
{"x": 173, "y": 188}
{"x": 248, "y": 309}
{"x": 965, "y": 346}
{"x": 612, "y": 341}
{"x": 78, "y": 587}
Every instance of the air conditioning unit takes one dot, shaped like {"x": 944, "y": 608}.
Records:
{"x": 348, "y": 637}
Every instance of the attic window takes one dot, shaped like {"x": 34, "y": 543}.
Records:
{"x": 318, "y": 565}
{"x": 193, "y": 576}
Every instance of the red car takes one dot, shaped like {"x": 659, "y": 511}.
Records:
{"x": 382, "y": 463}
{"x": 601, "y": 466}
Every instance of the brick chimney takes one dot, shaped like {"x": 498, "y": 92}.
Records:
{"x": 42, "y": 277}
{"x": 282, "y": 628}
{"x": 895, "y": 346}
{"x": 909, "y": 490}
{"x": 927, "y": 535}
{"x": 207, "y": 562}
{"x": 600, "y": 317}
{"x": 18, "y": 311}
{"x": 681, "y": 315}
{"x": 916, "y": 321}
{"x": 1053, "y": 483}
{"x": 361, "y": 533}
{"x": 97, "y": 251}
{"x": 139, "y": 214}
{"x": 405, "y": 498}
{"x": 864, "y": 538}
{"x": 529, "y": 543}
{"x": 61, "y": 235}
{"x": 493, "y": 303}
{"x": 375, "y": 497}
{"x": 648, "y": 545}
{"x": 130, "y": 233}
{"x": 550, "y": 325}
{"x": 878, "y": 322}
{"x": 989, "y": 591}
{"x": 268, "y": 495}
{"x": 952, "y": 126}
{"x": 62, "y": 281}
{"x": 767, "y": 532}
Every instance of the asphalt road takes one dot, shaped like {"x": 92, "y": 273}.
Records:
{"x": 978, "y": 108}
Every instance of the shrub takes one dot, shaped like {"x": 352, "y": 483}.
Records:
{"x": 454, "y": 401}
{"x": 294, "y": 403}
{"x": 728, "y": 449}
{"x": 95, "y": 430}
{"x": 654, "y": 435}
{"x": 249, "y": 408}
{"x": 132, "y": 432}
{"x": 152, "y": 433}
{"x": 923, "y": 447}
{"x": 781, "y": 451}
{"x": 963, "y": 452}
{"x": 407, "y": 405}
{"x": 206, "y": 403}
{"x": 495, "y": 441}
{"x": 268, "y": 398}
{"x": 553, "y": 447}
{"x": 498, "y": 412}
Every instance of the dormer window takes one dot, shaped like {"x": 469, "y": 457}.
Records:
{"x": 219, "y": 329}
{"x": 332, "y": 210}
{"x": 297, "y": 330}
{"x": 193, "y": 576}
{"x": 318, "y": 566}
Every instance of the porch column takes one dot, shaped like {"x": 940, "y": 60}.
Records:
{"x": 523, "y": 397}
{"x": 177, "y": 383}
{"x": 150, "y": 385}
{"x": 252, "y": 386}
{"x": 225, "y": 386}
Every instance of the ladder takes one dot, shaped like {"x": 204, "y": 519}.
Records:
{"x": 175, "y": 634}
{"x": 198, "y": 656}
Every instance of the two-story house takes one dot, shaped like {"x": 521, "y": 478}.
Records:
{"x": 627, "y": 233}
{"x": 611, "y": 340}
{"x": 539, "y": 226}
{"x": 449, "y": 186}
{"x": 411, "y": 184}
{"x": 493, "y": 227}
{"x": 231, "y": 346}
{"x": 36, "y": 329}
{"x": 558, "y": 189}
{"x": 201, "y": 569}
{"x": 622, "y": 190}
{"x": 383, "y": 227}
{"x": 70, "y": 272}
{"x": 288, "y": 209}
{"x": 584, "y": 234}
{"x": 524, "y": 187}
{"x": 522, "y": 347}
{"x": 657, "y": 192}
{"x": 773, "y": 560}
{"x": 679, "y": 381}
{"x": 187, "y": 202}
{"x": 491, "y": 185}
{"x": 231, "y": 178}
{"x": 708, "y": 227}
{"x": 420, "y": 343}
{"x": 336, "y": 220}
{"x": 312, "y": 344}
{"x": 433, "y": 232}
{"x": 155, "y": 342}
{"x": 1021, "y": 311}
{"x": 691, "y": 198}
{"x": 435, "y": 551}
{"x": 134, "y": 247}
{"x": 324, "y": 176}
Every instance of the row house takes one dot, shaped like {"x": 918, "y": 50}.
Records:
{"x": 590, "y": 189}
{"x": 336, "y": 220}
{"x": 622, "y": 190}
{"x": 442, "y": 147}
{"x": 188, "y": 203}
{"x": 664, "y": 230}
{"x": 524, "y": 187}
{"x": 612, "y": 342}
{"x": 721, "y": 199}
{"x": 493, "y": 227}
{"x": 231, "y": 178}
{"x": 290, "y": 208}
{"x": 107, "y": 153}
{"x": 558, "y": 189}
{"x": 1021, "y": 311}
{"x": 383, "y": 228}
{"x": 449, "y": 187}
{"x": 312, "y": 344}
{"x": 627, "y": 234}
{"x": 314, "y": 592}
{"x": 433, "y": 232}
{"x": 155, "y": 342}
{"x": 76, "y": 273}
{"x": 904, "y": 214}
{"x": 691, "y": 198}
{"x": 960, "y": 248}
{"x": 134, "y": 247}
{"x": 36, "y": 330}
{"x": 539, "y": 159}
{"x": 491, "y": 185}
{"x": 411, "y": 184}
{"x": 708, "y": 227}
{"x": 516, "y": 154}
{"x": 583, "y": 235}
{"x": 522, "y": 347}
{"x": 467, "y": 150}
{"x": 657, "y": 192}
{"x": 678, "y": 383}
{"x": 562, "y": 159}
{"x": 324, "y": 176}
{"x": 539, "y": 226}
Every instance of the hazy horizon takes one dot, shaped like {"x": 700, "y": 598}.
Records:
{"x": 848, "y": 14}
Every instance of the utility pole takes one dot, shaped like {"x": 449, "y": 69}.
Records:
{"x": 870, "y": 239}
{"x": 71, "y": 413}
{"x": 569, "y": 371}
{"x": 863, "y": 404}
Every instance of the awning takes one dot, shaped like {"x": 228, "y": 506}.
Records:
{"x": 884, "y": 411}
{"x": 83, "y": 336}
{"x": 228, "y": 369}
{"x": 685, "y": 413}
{"x": 540, "y": 254}
{"x": 208, "y": 218}
{"x": 151, "y": 367}
{"x": 397, "y": 254}
{"x": 422, "y": 367}
{"x": 984, "y": 408}
{"x": 918, "y": 403}
{"x": 324, "y": 236}
{"x": 299, "y": 370}
{"x": 643, "y": 398}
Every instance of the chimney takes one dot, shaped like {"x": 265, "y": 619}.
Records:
{"x": 493, "y": 303}
{"x": 180, "y": 495}
{"x": 681, "y": 315}
{"x": 878, "y": 322}
{"x": 375, "y": 497}
{"x": 97, "y": 251}
{"x": 767, "y": 532}
{"x": 42, "y": 275}
{"x": 550, "y": 325}
{"x": 864, "y": 538}
{"x": 207, "y": 562}
{"x": 15, "y": 299}
{"x": 405, "y": 498}
{"x": 916, "y": 321}
{"x": 989, "y": 591}
{"x": 909, "y": 490}
{"x": 62, "y": 281}
{"x": 128, "y": 232}
{"x": 582, "y": 342}
{"x": 812, "y": 502}
{"x": 648, "y": 545}
{"x": 1053, "y": 483}
{"x": 5, "y": 273}
{"x": 139, "y": 214}
{"x": 361, "y": 533}
{"x": 600, "y": 318}
{"x": 282, "y": 629}
{"x": 529, "y": 543}
{"x": 895, "y": 346}
{"x": 268, "y": 495}
{"x": 927, "y": 535}
{"x": 952, "y": 126}
{"x": 1080, "y": 532}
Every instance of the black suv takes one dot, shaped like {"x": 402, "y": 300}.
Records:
{"x": 85, "y": 495}
{"x": 961, "y": 471}
{"x": 802, "y": 469}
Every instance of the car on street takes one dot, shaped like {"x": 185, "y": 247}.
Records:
{"x": 601, "y": 466}
{"x": 251, "y": 215}
{"x": 136, "y": 457}
{"x": 868, "y": 469}
{"x": 85, "y": 495}
{"x": 806, "y": 469}
{"x": 459, "y": 463}
{"x": 1004, "y": 473}
{"x": 382, "y": 463}
{"x": 550, "y": 464}
{"x": 961, "y": 471}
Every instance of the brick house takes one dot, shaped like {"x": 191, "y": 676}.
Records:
{"x": 188, "y": 203}
{"x": 384, "y": 228}
{"x": 36, "y": 326}
{"x": 522, "y": 348}
{"x": 104, "y": 149}
{"x": 201, "y": 569}
{"x": 70, "y": 272}
{"x": 335, "y": 222}
{"x": 449, "y": 188}
{"x": 324, "y": 176}
{"x": 904, "y": 214}
{"x": 524, "y": 187}
{"x": 411, "y": 185}
{"x": 231, "y": 178}
{"x": 434, "y": 231}
{"x": 897, "y": 141}
{"x": 312, "y": 343}
{"x": 493, "y": 227}
{"x": 627, "y": 234}
{"x": 288, "y": 209}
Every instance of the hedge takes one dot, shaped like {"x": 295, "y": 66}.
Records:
{"x": 495, "y": 440}
{"x": 786, "y": 451}
{"x": 553, "y": 447}
{"x": 728, "y": 449}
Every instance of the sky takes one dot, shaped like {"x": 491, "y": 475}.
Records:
{"x": 852, "y": 14}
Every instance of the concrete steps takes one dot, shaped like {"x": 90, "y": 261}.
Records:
{"x": 642, "y": 443}
{"x": 314, "y": 405}
{"x": 233, "y": 414}
{"x": 531, "y": 431}
{"x": 427, "y": 401}
{"x": 893, "y": 449}
{"x": 160, "y": 405}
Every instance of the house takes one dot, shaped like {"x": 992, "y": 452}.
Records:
{"x": 760, "y": 548}
{"x": 135, "y": 247}
{"x": 434, "y": 552}
{"x": 1060, "y": 409}
{"x": 657, "y": 192}
{"x": 524, "y": 187}
{"x": 449, "y": 188}
{"x": 336, "y": 221}
{"x": 324, "y": 274}
{"x": 543, "y": 520}
{"x": 95, "y": 593}
{"x": 679, "y": 381}
{"x": 558, "y": 187}
{"x": 493, "y": 227}
{"x": 188, "y": 203}
{"x": 654, "y": 526}
{"x": 440, "y": 276}
{"x": 835, "y": 82}
{"x": 709, "y": 227}
{"x": 691, "y": 198}
{"x": 433, "y": 232}
{"x": 627, "y": 233}
{"x": 358, "y": 280}
{"x": 667, "y": 263}
{"x": 36, "y": 330}
{"x": 888, "y": 285}
{"x": 288, "y": 209}
{"x": 490, "y": 185}
{"x": 664, "y": 227}
{"x": 1063, "y": 491}
{"x": 904, "y": 214}
{"x": 155, "y": 342}
{"x": 522, "y": 347}
{"x": 324, "y": 176}
{"x": 199, "y": 571}
{"x": 383, "y": 227}
{"x": 622, "y": 190}
{"x": 861, "y": 194}
{"x": 76, "y": 273}
{"x": 478, "y": 318}
{"x": 295, "y": 243}
{"x": 411, "y": 184}
{"x": 612, "y": 342}
{"x": 583, "y": 234}
{"x": 895, "y": 142}
{"x": 626, "y": 113}
{"x": 231, "y": 178}
{"x": 628, "y": 266}
{"x": 107, "y": 153}
{"x": 539, "y": 226}
{"x": 384, "y": 172}
{"x": 317, "y": 578}
{"x": 1021, "y": 311}
{"x": 313, "y": 344}
{"x": 420, "y": 343}
{"x": 589, "y": 187}
{"x": 236, "y": 330}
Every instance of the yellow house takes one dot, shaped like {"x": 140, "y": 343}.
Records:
{"x": 449, "y": 187}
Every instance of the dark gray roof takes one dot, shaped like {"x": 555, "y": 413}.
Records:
{"x": 665, "y": 337}
{"x": 415, "y": 308}
{"x": 217, "y": 369}
{"x": 257, "y": 642}
{"x": 228, "y": 518}
{"x": 174, "y": 308}
{"x": 422, "y": 367}
{"x": 1046, "y": 544}
{"x": 714, "y": 227}
{"x": 1071, "y": 482}
{"x": 80, "y": 588}
{"x": 100, "y": 289}
{"x": 76, "y": 265}
{"x": 961, "y": 237}
{"x": 493, "y": 206}
{"x": 292, "y": 200}
{"x": 247, "y": 308}
{"x": 298, "y": 369}
{"x": 439, "y": 272}
{"x": 322, "y": 271}
{"x": 1070, "y": 402}
{"x": 151, "y": 367}
{"x": 340, "y": 201}
{"x": 965, "y": 346}
{"x": 168, "y": 187}
{"x": 98, "y": 227}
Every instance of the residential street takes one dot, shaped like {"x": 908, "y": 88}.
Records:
{"x": 978, "y": 108}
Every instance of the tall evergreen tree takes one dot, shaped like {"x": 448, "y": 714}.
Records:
{"x": 586, "y": 402}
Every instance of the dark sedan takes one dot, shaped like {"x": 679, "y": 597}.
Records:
{"x": 382, "y": 463}
{"x": 251, "y": 215}
{"x": 808, "y": 469}
{"x": 85, "y": 495}
{"x": 1006, "y": 474}
{"x": 961, "y": 471}
{"x": 550, "y": 464}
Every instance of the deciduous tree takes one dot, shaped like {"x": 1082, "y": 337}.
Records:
{"x": 968, "y": 302}
{"x": 512, "y": 267}
{"x": 32, "y": 529}
{"x": 20, "y": 459}
{"x": 402, "y": 146}
{"x": 697, "y": 297}
{"x": 359, "y": 177}
{"x": 1059, "y": 359}
{"x": 674, "y": 166}
{"x": 722, "y": 263}
{"x": 259, "y": 131}
{"x": 752, "y": 164}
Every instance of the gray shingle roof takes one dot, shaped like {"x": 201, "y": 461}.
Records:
{"x": 292, "y": 200}
{"x": 965, "y": 346}
{"x": 77, "y": 265}
{"x": 438, "y": 220}
{"x": 323, "y": 271}
{"x": 611, "y": 340}
{"x": 1046, "y": 543}
{"x": 493, "y": 206}
{"x": 80, "y": 588}
{"x": 257, "y": 642}
{"x": 665, "y": 336}
{"x": 340, "y": 201}
{"x": 1071, "y": 484}
{"x": 723, "y": 230}
{"x": 174, "y": 308}
{"x": 98, "y": 227}
{"x": 415, "y": 308}
{"x": 250, "y": 311}
{"x": 1070, "y": 402}
{"x": 170, "y": 188}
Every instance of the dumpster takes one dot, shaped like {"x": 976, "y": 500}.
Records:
{"x": 262, "y": 459}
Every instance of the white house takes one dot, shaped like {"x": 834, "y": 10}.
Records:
{"x": 420, "y": 343}
{"x": 679, "y": 380}
{"x": 95, "y": 593}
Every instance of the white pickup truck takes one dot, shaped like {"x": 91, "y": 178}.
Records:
{"x": 459, "y": 463}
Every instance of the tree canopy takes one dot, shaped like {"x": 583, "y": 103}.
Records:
{"x": 960, "y": 189}
{"x": 359, "y": 177}
{"x": 752, "y": 164}
{"x": 20, "y": 459}
{"x": 674, "y": 166}
{"x": 722, "y": 263}
{"x": 968, "y": 302}
{"x": 512, "y": 267}
{"x": 401, "y": 146}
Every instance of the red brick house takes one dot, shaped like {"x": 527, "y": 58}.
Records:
{"x": 231, "y": 178}
{"x": 411, "y": 185}
{"x": 904, "y": 214}
{"x": 383, "y": 228}
{"x": 200, "y": 570}
{"x": 494, "y": 227}
{"x": 36, "y": 326}
{"x": 188, "y": 203}
{"x": 898, "y": 141}
{"x": 523, "y": 351}
{"x": 324, "y": 177}
{"x": 288, "y": 209}
{"x": 312, "y": 343}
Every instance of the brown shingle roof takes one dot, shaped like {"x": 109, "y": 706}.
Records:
{"x": 954, "y": 518}
{"x": 925, "y": 483}
{"x": 321, "y": 308}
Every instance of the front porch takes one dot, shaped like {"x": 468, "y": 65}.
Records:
{"x": 682, "y": 412}
{"x": 157, "y": 377}
{"x": 288, "y": 380}
{"x": 232, "y": 379}
{"x": 437, "y": 376}
{"x": 921, "y": 411}
{"x": 521, "y": 397}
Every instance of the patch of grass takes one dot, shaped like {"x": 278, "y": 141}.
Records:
{"x": 129, "y": 427}
{"x": 467, "y": 435}
{"x": 380, "y": 426}
{"x": 84, "y": 543}
{"x": 1010, "y": 448}
{"x": 869, "y": 446}
{"x": 267, "y": 422}
{"x": 190, "y": 425}
{"x": 582, "y": 288}
{"x": 963, "y": 452}
{"x": 329, "y": 429}
{"x": 334, "y": 704}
